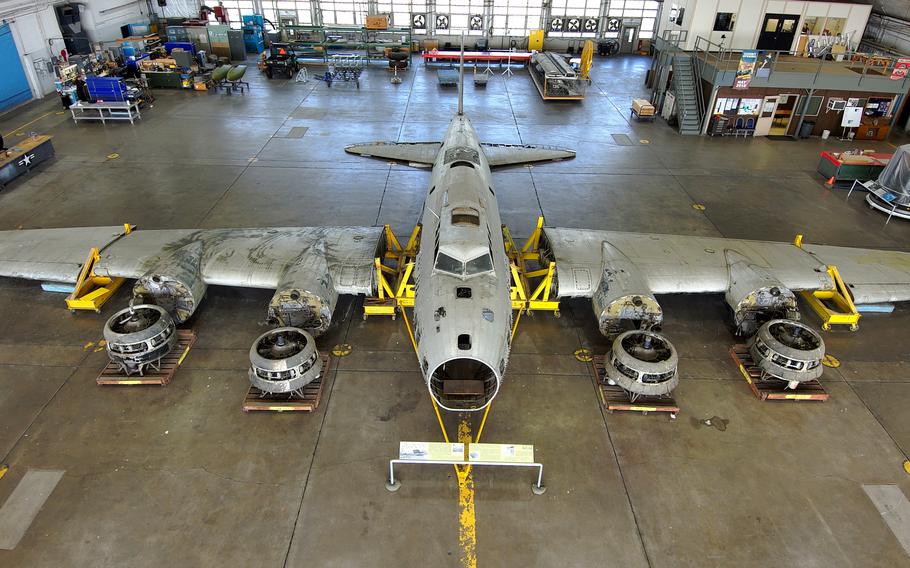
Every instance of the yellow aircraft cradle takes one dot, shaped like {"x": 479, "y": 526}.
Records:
{"x": 395, "y": 288}
{"x": 834, "y": 306}
{"x": 92, "y": 291}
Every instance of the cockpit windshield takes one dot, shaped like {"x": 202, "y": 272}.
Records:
{"x": 482, "y": 263}
{"x": 446, "y": 263}
{"x": 477, "y": 265}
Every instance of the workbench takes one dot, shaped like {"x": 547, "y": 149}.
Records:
{"x": 23, "y": 157}
{"x": 851, "y": 167}
{"x": 475, "y": 56}
{"x": 105, "y": 111}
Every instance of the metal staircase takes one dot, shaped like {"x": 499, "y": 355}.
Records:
{"x": 687, "y": 87}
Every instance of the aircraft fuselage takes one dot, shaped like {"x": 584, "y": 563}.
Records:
{"x": 462, "y": 309}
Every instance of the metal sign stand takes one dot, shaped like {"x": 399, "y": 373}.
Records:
{"x": 438, "y": 453}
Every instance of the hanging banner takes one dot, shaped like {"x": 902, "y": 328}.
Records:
{"x": 901, "y": 68}
{"x": 746, "y": 67}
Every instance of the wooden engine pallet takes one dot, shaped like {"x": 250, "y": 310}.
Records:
{"x": 614, "y": 397}
{"x": 773, "y": 389}
{"x": 256, "y": 400}
{"x": 113, "y": 375}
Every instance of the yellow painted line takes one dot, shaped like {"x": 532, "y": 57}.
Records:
{"x": 3, "y": 470}
{"x": 182, "y": 357}
{"x": 15, "y": 130}
{"x": 467, "y": 522}
{"x": 129, "y": 382}
{"x": 644, "y": 408}
{"x": 798, "y": 396}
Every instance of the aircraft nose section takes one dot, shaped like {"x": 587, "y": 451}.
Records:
{"x": 463, "y": 384}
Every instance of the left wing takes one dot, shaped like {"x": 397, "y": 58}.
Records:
{"x": 251, "y": 258}
{"x": 515, "y": 154}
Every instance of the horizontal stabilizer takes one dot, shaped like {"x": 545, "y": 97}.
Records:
{"x": 411, "y": 152}
{"x": 513, "y": 154}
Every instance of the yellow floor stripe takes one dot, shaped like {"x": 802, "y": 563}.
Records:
{"x": 26, "y": 124}
{"x": 467, "y": 523}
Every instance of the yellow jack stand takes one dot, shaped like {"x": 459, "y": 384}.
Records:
{"x": 835, "y": 306}
{"x": 92, "y": 291}
{"x": 394, "y": 287}
{"x": 521, "y": 276}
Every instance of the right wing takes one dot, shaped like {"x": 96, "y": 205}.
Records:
{"x": 673, "y": 264}
{"x": 423, "y": 153}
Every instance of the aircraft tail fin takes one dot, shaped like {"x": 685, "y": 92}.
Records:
{"x": 461, "y": 79}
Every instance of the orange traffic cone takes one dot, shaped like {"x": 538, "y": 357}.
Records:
{"x": 830, "y": 181}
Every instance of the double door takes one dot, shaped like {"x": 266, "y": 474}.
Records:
{"x": 778, "y": 32}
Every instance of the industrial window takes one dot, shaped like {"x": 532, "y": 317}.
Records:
{"x": 724, "y": 21}
{"x": 815, "y": 105}
{"x": 457, "y": 15}
{"x": 236, "y": 9}
{"x": 401, "y": 11}
{"x": 634, "y": 11}
{"x": 573, "y": 18}
{"x": 342, "y": 12}
{"x": 516, "y": 17}
{"x": 465, "y": 216}
{"x": 300, "y": 9}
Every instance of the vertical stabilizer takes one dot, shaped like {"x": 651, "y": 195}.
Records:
{"x": 461, "y": 79}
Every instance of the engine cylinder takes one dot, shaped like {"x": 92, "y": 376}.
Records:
{"x": 644, "y": 363}
{"x": 284, "y": 360}
{"x": 788, "y": 350}
{"x": 139, "y": 336}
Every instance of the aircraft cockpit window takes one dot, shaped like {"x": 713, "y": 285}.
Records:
{"x": 465, "y": 216}
{"x": 483, "y": 263}
{"x": 446, "y": 263}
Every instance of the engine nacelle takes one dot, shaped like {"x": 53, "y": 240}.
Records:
{"x": 623, "y": 295}
{"x": 175, "y": 282}
{"x": 755, "y": 296}
{"x": 284, "y": 360}
{"x": 643, "y": 363}
{"x": 788, "y": 350}
{"x": 305, "y": 296}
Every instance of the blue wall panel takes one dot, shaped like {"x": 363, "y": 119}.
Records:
{"x": 14, "y": 87}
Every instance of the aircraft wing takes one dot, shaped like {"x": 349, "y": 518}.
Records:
{"x": 514, "y": 154}
{"x": 410, "y": 152}
{"x": 252, "y": 258}
{"x": 672, "y": 264}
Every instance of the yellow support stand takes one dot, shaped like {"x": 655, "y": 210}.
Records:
{"x": 92, "y": 291}
{"x": 834, "y": 307}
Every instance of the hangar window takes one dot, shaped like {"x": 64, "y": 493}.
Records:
{"x": 465, "y": 217}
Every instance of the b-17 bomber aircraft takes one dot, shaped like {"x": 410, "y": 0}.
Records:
{"x": 462, "y": 308}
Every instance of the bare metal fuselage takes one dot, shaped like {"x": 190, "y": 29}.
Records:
{"x": 462, "y": 309}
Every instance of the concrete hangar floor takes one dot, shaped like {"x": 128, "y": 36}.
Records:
{"x": 179, "y": 476}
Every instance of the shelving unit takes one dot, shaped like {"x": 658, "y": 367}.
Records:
{"x": 316, "y": 42}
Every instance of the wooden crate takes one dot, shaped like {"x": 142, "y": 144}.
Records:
{"x": 773, "y": 389}
{"x": 614, "y": 397}
{"x": 113, "y": 375}
{"x": 256, "y": 400}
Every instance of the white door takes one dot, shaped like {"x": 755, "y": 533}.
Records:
{"x": 629, "y": 39}
{"x": 766, "y": 116}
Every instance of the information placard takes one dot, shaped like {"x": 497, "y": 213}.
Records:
{"x": 508, "y": 453}
{"x": 430, "y": 451}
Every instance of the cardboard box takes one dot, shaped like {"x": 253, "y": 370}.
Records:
{"x": 642, "y": 107}
{"x": 378, "y": 22}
